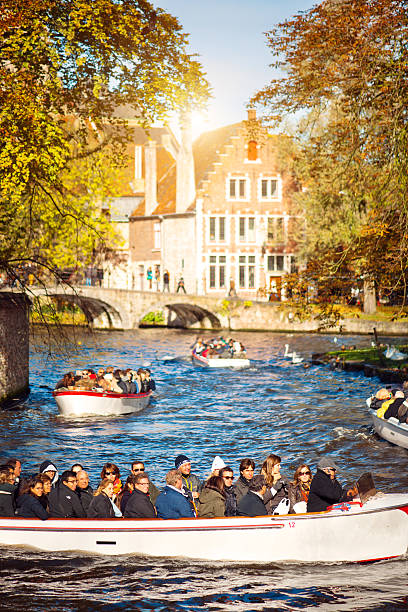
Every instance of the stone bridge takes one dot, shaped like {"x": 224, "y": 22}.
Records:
{"x": 125, "y": 309}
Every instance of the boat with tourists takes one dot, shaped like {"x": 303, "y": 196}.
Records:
{"x": 389, "y": 429}
{"x": 220, "y": 362}
{"x": 349, "y": 532}
{"x": 102, "y": 403}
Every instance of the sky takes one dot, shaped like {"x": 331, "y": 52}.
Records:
{"x": 228, "y": 36}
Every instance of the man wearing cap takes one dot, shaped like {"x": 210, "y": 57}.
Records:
{"x": 191, "y": 482}
{"x": 325, "y": 490}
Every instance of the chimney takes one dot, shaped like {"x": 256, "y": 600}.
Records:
{"x": 251, "y": 114}
{"x": 150, "y": 177}
{"x": 185, "y": 166}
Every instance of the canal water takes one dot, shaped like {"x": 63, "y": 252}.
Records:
{"x": 297, "y": 412}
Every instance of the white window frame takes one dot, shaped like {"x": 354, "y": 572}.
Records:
{"x": 247, "y": 196}
{"x": 247, "y": 264}
{"x": 270, "y": 197}
{"x": 238, "y": 227}
{"x": 217, "y": 264}
{"x": 284, "y": 227}
{"x": 217, "y": 218}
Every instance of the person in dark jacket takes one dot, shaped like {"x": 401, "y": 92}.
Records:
{"x": 191, "y": 482}
{"x": 171, "y": 503}
{"x": 46, "y": 481}
{"x": 49, "y": 468}
{"x": 84, "y": 489}
{"x": 246, "y": 473}
{"x": 101, "y": 505}
{"x": 227, "y": 475}
{"x": 28, "y": 504}
{"x": 325, "y": 490}
{"x": 8, "y": 489}
{"x": 63, "y": 499}
{"x": 251, "y": 504}
{"x": 139, "y": 504}
{"x": 392, "y": 410}
{"x": 137, "y": 467}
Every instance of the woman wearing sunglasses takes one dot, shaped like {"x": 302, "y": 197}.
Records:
{"x": 298, "y": 491}
{"x": 112, "y": 473}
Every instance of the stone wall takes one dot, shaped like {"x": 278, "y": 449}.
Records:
{"x": 14, "y": 345}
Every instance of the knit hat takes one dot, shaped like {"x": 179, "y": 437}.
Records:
{"x": 326, "y": 462}
{"x": 217, "y": 464}
{"x": 180, "y": 460}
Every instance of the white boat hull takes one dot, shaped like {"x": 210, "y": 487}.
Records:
{"x": 221, "y": 362}
{"x": 378, "y": 530}
{"x": 84, "y": 403}
{"x": 390, "y": 429}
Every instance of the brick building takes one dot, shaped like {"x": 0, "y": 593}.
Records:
{"x": 222, "y": 221}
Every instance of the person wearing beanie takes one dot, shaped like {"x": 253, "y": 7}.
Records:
{"x": 191, "y": 482}
{"x": 217, "y": 465}
{"x": 325, "y": 490}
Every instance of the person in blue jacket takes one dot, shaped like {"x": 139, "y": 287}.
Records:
{"x": 172, "y": 503}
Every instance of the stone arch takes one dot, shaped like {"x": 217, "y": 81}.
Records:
{"x": 97, "y": 312}
{"x": 186, "y": 315}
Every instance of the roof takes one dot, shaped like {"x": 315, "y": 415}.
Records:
{"x": 206, "y": 147}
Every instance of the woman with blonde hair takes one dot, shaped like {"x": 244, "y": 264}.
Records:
{"x": 277, "y": 488}
{"x": 102, "y": 505}
{"x": 299, "y": 488}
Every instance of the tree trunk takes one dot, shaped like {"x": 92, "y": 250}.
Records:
{"x": 370, "y": 302}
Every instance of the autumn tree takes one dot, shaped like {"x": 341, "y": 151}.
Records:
{"x": 343, "y": 72}
{"x": 65, "y": 67}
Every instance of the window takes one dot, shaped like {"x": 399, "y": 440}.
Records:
{"x": 217, "y": 271}
{"x": 252, "y": 151}
{"x": 238, "y": 189}
{"x": 246, "y": 229}
{"x": 247, "y": 271}
{"x": 276, "y": 230}
{"x": 269, "y": 189}
{"x": 157, "y": 235}
{"x": 275, "y": 263}
{"x": 217, "y": 229}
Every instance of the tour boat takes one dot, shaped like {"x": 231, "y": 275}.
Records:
{"x": 84, "y": 403}
{"x": 221, "y": 362}
{"x": 390, "y": 429}
{"x": 351, "y": 532}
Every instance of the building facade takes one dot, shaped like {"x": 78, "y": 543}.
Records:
{"x": 220, "y": 216}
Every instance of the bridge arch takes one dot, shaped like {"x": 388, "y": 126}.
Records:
{"x": 184, "y": 315}
{"x": 97, "y": 312}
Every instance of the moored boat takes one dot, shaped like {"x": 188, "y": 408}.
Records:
{"x": 84, "y": 403}
{"x": 354, "y": 532}
{"x": 221, "y": 362}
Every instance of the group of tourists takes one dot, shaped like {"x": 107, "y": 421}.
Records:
{"x": 219, "y": 347}
{"x": 391, "y": 403}
{"x": 70, "y": 495}
{"x": 108, "y": 379}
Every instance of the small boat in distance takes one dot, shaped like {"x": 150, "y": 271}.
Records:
{"x": 351, "y": 532}
{"x": 390, "y": 429}
{"x": 220, "y": 362}
{"x": 103, "y": 403}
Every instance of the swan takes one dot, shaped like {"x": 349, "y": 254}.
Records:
{"x": 393, "y": 353}
{"x": 287, "y": 353}
{"x": 296, "y": 358}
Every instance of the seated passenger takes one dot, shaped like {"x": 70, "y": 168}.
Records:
{"x": 394, "y": 405}
{"x": 199, "y": 346}
{"x": 126, "y": 492}
{"x": 117, "y": 384}
{"x": 139, "y": 504}
{"x": 46, "y": 482}
{"x": 8, "y": 489}
{"x": 325, "y": 490}
{"x": 84, "y": 489}
{"x": 251, "y": 504}
{"x": 29, "y": 504}
{"x": 227, "y": 475}
{"x": 380, "y": 397}
{"x": 102, "y": 505}
{"x": 277, "y": 487}
{"x": 77, "y": 467}
{"x": 111, "y": 471}
{"x": 171, "y": 503}
{"x": 66, "y": 382}
{"x": 47, "y": 467}
{"x": 150, "y": 381}
{"x": 217, "y": 465}
{"x": 137, "y": 467}
{"x": 246, "y": 474}
{"x": 63, "y": 500}
{"x": 298, "y": 490}
{"x": 211, "y": 501}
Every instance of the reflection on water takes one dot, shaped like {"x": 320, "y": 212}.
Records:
{"x": 299, "y": 413}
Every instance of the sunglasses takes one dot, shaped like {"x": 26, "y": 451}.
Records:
{"x": 138, "y": 470}
{"x": 229, "y": 477}
{"x": 110, "y": 473}
{"x": 305, "y": 473}
{"x": 332, "y": 469}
